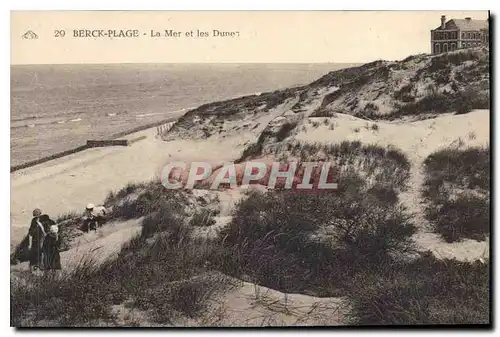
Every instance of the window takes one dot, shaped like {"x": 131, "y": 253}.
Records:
{"x": 445, "y": 48}
{"x": 446, "y": 36}
{"x": 453, "y": 46}
{"x": 436, "y": 48}
{"x": 463, "y": 35}
{"x": 468, "y": 35}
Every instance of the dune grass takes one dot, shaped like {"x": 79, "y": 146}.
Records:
{"x": 461, "y": 102}
{"x": 284, "y": 239}
{"x": 376, "y": 164}
{"x": 424, "y": 291}
{"x": 456, "y": 188}
{"x": 462, "y": 168}
{"x": 140, "y": 199}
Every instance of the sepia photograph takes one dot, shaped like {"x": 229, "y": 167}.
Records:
{"x": 250, "y": 169}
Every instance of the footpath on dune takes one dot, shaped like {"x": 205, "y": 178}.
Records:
{"x": 95, "y": 247}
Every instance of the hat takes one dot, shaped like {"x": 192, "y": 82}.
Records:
{"x": 37, "y": 212}
{"x": 90, "y": 206}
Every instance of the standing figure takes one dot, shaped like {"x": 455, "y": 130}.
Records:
{"x": 36, "y": 238}
{"x": 51, "y": 256}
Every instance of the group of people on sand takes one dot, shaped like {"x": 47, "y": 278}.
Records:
{"x": 44, "y": 239}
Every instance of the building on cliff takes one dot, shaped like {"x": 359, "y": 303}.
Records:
{"x": 458, "y": 34}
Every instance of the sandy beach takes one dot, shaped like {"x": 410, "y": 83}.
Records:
{"x": 69, "y": 183}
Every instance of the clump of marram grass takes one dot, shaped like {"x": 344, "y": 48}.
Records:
{"x": 285, "y": 130}
{"x": 71, "y": 215}
{"x": 387, "y": 165}
{"x": 203, "y": 218}
{"x": 437, "y": 102}
{"x": 456, "y": 187}
{"x": 137, "y": 200}
{"x": 466, "y": 216}
{"x": 274, "y": 245}
{"x": 424, "y": 291}
{"x": 464, "y": 169}
{"x": 320, "y": 112}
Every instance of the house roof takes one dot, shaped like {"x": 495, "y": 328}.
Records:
{"x": 463, "y": 24}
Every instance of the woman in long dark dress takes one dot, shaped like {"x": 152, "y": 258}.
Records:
{"x": 51, "y": 256}
{"x": 36, "y": 237}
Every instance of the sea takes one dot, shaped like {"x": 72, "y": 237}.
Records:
{"x": 58, "y": 107}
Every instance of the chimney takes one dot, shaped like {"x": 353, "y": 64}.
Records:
{"x": 443, "y": 21}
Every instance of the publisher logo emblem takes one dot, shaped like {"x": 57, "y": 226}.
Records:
{"x": 30, "y": 35}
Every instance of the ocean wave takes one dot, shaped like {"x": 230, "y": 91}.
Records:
{"x": 45, "y": 116}
{"x": 23, "y": 118}
{"x": 163, "y": 113}
{"x": 150, "y": 114}
{"x": 75, "y": 120}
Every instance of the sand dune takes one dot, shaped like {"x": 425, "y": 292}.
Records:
{"x": 417, "y": 139}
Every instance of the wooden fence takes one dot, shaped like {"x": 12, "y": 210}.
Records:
{"x": 164, "y": 128}
{"x": 107, "y": 142}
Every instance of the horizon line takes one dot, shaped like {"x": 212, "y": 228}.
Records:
{"x": 190, "y": 63}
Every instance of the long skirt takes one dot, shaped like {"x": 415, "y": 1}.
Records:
{"x": 51, "y": 257}
{"x": 35, "y": 255}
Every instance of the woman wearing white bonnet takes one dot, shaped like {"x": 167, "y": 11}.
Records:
{"x": 51, "y": 257}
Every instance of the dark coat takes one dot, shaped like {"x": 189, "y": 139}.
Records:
{"x": 39, "y": 236}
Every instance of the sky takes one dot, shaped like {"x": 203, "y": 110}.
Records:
{"x": 263, "y": 36}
